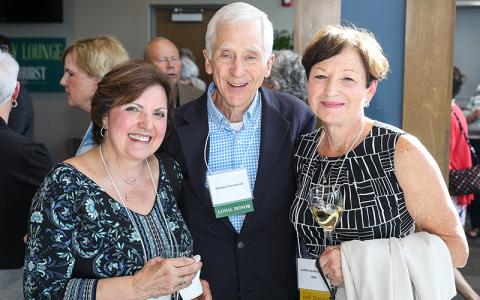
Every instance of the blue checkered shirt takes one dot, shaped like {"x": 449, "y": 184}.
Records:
{"x": 231, "y": 149}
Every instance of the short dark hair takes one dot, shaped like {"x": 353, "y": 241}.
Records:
{"x": 124, "y": 84}
{"x": 331, "y": 40}
{"x": 458, "y": 79}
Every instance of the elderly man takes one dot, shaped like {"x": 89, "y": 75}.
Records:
{"x": 165, "y": 56}
{"x": 235, "y": 145}
{"x": 24, "y": 164}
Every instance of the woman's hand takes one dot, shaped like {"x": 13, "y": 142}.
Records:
{"x": 162, "y": 276}
{"x": 331, "y": 263}
{"x": 207, "y": 294}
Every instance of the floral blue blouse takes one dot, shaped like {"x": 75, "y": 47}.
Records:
{"x": 79, "y": 234}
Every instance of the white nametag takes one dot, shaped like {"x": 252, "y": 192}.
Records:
{"x": 309, "y": 277}
{"x": 230, "y": 192}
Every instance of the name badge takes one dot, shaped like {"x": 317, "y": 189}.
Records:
{"x": 310, "y": 281}
{"x": 230, "y": 192}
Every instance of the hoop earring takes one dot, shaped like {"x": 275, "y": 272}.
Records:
{"x": 103, "y": 132}
{"x": 14, "y": 103}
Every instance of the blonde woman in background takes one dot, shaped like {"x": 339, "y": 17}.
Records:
{"x": 85, "y": 62}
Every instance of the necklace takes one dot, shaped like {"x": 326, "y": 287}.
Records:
{"x": 304, "y": 184}
{"x": 123, "y": 203}
{"x": 323, "y": 175}
{"x": 132, "y": 182}
{"x": 172, "y": 241}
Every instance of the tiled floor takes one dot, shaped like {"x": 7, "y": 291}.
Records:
{"x": 472, "y": 269}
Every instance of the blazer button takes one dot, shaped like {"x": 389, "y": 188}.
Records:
{"x": 241, "y": 245}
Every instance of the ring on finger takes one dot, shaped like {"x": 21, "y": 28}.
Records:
{"x": 183, "y": 280}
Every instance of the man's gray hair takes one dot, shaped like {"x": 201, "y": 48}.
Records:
{"x": 8, "y": 76}
{"x": 189, "y": 68}
{"x": 288, "y": 74}
{"x": 239, "y": 12}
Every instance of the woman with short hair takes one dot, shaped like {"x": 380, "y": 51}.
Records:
{"x": 389, "y": 180}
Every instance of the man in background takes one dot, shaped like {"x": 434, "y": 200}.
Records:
{"x": 165, "y": 56}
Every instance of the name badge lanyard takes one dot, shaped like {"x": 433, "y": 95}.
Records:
{"x": 304, "y": 184}
{"x": 257, "y": 121}
{"x": 171, "y": 238}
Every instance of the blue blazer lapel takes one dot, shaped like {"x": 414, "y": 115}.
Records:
{"x": 273, "y": 133}
{"x": 192, "y": 137}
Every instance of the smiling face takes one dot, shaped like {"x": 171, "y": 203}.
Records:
{"x": 78, "y": 85}
{"x": 336, "y": 88}
{"x": 165, "y": 56}
{"x": 238, "y": 63}
{"x": 136, "y": 130}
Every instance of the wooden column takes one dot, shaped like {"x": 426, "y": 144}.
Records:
{"x": 429, "y": 41}
{"x": 310, "y": 16}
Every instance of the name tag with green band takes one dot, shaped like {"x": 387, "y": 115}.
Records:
{"x": 235, "y": 208}
{"x": 230, "y": 192}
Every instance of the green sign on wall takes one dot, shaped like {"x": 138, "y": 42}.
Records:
{"x": 40, "y": 61}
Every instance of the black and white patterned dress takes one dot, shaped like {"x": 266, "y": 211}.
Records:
{"x": 374, "y": 202}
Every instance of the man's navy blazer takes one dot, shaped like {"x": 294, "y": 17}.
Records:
{"x": 259, "y": 262}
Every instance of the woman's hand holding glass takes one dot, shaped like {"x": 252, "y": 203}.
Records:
{"x": 326, "y": 202}
{"x": 164, "y": 276}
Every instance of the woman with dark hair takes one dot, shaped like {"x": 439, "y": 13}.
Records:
{"x": 106, "y": 224}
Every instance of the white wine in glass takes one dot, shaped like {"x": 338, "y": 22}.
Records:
{"x": 326, "y": 202}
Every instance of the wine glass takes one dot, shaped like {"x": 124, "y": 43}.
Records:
{"x": 326, "y": 202}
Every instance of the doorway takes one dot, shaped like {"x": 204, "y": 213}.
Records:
{"x": 186, "y": 34}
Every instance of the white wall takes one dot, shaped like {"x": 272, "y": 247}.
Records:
{"x": 129, "y": 21}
